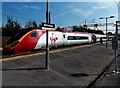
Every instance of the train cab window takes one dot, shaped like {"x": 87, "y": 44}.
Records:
{"x": 34, "y": 34}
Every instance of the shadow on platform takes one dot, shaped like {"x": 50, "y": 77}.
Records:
{"x": 82, "y": 75}
{"x": 23, "y": 69}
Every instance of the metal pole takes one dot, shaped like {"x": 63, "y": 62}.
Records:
{"x": 116, "y": 63}
{"x": 47, "y": 12}
{"x": 116, "y": 31}
{"x": 47, "y": 37}
{"x": 106, "y": 33}
{"x": 47, "y": 50}
{"x": 116, "y": 60}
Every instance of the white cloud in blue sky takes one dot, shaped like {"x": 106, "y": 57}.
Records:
{"x": 83, "y": 12}
{"x": 79, "y": 11}
{"x": 100, "y": 7}
{"x": 31, "y": 7}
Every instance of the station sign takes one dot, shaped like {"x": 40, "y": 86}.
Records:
{"x": 115, "y": 44}
{"x": 45, "y": 25}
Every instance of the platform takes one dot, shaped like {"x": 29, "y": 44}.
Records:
{"x": 73, "y": 67}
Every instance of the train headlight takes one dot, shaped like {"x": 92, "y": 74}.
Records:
{"x": 13, "y": 45}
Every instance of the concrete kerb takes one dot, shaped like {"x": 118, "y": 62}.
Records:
{"x": 91, "y": 82}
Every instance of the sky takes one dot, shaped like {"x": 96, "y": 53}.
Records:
{"x": 63, "y": 14}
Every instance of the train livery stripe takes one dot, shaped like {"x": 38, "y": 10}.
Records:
{"x": 54, "y": 51}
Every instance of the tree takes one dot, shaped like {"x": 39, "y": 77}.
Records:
{"x": 95, "y": 31}
{"x": 110, "y": 33}
{"x": 75, "y": 28}
{"x": 34, "y": 24}
{"x": 31, "y": 24}
{"x": 59, "y": 29}
{"x": 28, "y": 24}
{"x": 99, "y": 32}
{"x": 79, "y": 29}
{"x": 11, "y": 28}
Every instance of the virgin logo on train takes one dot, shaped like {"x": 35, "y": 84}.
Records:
{"x": 53, "y": 39}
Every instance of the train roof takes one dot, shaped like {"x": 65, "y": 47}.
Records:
{"x": 74, "y": 32}
{"x": 65, "y": 31}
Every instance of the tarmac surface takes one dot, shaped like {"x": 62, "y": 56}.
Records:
{"x": 110, "y": 78}
{"x": 73, "y": 67}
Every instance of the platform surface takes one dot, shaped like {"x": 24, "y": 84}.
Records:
{"x": 76, "y": 67}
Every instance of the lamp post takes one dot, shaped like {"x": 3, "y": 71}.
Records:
{"x": 106, "y": 27}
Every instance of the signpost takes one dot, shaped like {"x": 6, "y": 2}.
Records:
{"x": 115, "y": 47}
{"x": 47, "y": 26}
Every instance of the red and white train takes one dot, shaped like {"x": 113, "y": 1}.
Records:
{"x": 35, "y": 38}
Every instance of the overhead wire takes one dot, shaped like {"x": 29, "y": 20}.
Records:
{"x": 75, "y": 16}
{"x": 67, "y": 13}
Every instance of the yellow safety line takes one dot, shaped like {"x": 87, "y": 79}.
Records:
{"x": 25, "y": 56}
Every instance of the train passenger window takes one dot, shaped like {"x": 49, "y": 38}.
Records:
{"x": 74, "y": 38}
{"x": 83, "y": 38}
{"x": 77, "y": 38}
{"x": 70, "y": 38}
{"x": 34, "y": 34}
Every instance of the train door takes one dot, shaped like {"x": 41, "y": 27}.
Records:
{"x": 70, "y": 40}
{"x": 93, "y": 38}
{"x": 64, "y": 39}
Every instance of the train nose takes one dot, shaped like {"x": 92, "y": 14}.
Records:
{"x": 7, "y": 49}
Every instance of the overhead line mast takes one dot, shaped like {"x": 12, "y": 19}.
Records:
{"x": 47, "y": 13}
{"x": 47, "y": 36}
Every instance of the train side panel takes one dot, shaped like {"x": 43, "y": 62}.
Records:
{"x": 55, "y": 39}
{"x": 76, "y": 38}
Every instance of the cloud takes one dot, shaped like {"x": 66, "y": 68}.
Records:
{"x": 85, "y": 12}
{"x": 100, "y": 7}
{"x": 31, "y": 7}
{"x": 77, "y": 10}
